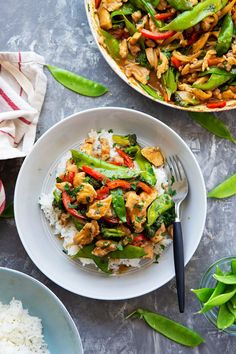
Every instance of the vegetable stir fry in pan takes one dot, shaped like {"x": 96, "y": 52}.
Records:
{"x": 110, "y": 192}
{"x": 179, "y": 51}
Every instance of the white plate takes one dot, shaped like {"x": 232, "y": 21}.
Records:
{"x": 38, "y": 174}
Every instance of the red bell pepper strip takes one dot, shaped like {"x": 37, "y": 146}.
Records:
{"x": 145, "y": 187}
{"x": 138, "y": 240}
{"x": 127, "y": 160}
{"x": 175, "y": 62}
{"x": 119, "y": 183}
{"x": 116, "y": 163}
{"x": 112, "y": 220}
{"x": 164, "y": 16}
{"x": 220, "y": 104}
{"x": 102, "y": 193}
{"x": 157, "y": 35}
{"x": 95, "y": 174}
{"x": 69, "y": 177}
{"x": 193, "y": 38}
{"x": 97, "y": 3}
{"x": 73, "y": 212}
{"x": 214, "y": 61}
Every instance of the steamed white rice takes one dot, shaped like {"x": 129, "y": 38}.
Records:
{"x": 20, "y": 333}
{"x": 67, "y": 232}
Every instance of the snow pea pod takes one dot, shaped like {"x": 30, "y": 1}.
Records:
{"x": 112, "y": 44}
{"x": 225, "y": 318}
{"x": 225, "y": 189}
{"x": 148, "y": 7}
{"x": 118, "y": 204}
{"x": 226, "y": 35}
{"x": 226, "y": 279}
{"x": 233, "y": 301}
{"x": 214, "y": 125}
{"x": 214, "y": 81}
{"x": 77, "y": 83}
{"x": 216, "y": 70}
{"x": 218, "y": 300}
{"x": 233, "y": 266}
{"x": 109, "y": 233}
{"x": 203, "y": 294}
{"x": 101, "y": 262}
{"x": 126, "y": 9}
{"x": 169, "y": 328}
{"x": 153, "y": 93}
{"x": 231, "y": 308}
{"x": 181, "y": 5}
{"x": 147, "y": 174}
{"x": 160, "y": 205}
{"x": 190, "y": 18}
{"x": 129, "y": 252}
{"x": 169, "y": 81}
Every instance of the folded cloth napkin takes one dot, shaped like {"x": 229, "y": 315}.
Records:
{"x": 22, "y": 90}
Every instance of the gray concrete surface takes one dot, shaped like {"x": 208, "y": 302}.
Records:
{"x": 58, "y": 29}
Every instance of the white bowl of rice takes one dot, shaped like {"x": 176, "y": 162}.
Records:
{"x": 33, "y": 319}
{"x": 39, "y": 234}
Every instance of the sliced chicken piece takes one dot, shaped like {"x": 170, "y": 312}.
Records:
{"x": 158, "y": 235}
{"x": 71, "y": 167}
{"x": 124, "y": 49}
{"x": 153, "y": 154}
{"x": 137, "y": 206}
{"x": 78, "y": 179}
{"x": 87, "y": 194}
{"x": 87, "y": 147}
{"x": 61, "y": 185}
{"x": 87, "y": 234}
{"x": 104, "y": 18}
{"x": 99, "y": 208}
{"x": 112, "y": 5}
{"x": 105, "y": 149}
{"x": 136, "y": 16}
{"x": 163, "y": 67}
{"x": 152, "y": 56}
{"x": 103, "y": 247}
{"x": 138, "y": 72}
{"x": 135, "y": 38}
{"x": 148, "y": 249}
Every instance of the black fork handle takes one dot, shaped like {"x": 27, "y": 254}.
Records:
{"x": 179, "y": 264}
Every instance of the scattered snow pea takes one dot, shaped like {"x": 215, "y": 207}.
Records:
{"x": 218, "y": 300}
{"x": 203, "y": 294}
{"x": 169, "y": 81}
{"x": 125, "y": 140}
{"x": 101, "y": 262}
{"x": 153, "y": 93}
{"x": 226, "y": 279}
{"x": 214, "y": 81}
{"x": 109, "y": 233}
{"x": 112, "y": 44}
{"x": 169, "y": 328}
{"x": 233, "y": 266}
{"x": 120, "y": 174}
{"x": 225, "y": 318}
{"x": 180, "y": 4}
{"x": 233, "y": 301}
{"x": 161, "y": 204}
{"x": 190, "y": 18}
{"x": 226, "y": 35}
{"x": 214, "y": 125}
{"x": 147, "y": 174}
{"x": 129, "y": 252}
{"x": 77, "y": 83}
{"x": 216, "y": 70}
{"x": 185, "y": 99}
{"x": 118, "y": 204}
{"x": 231, "y": 308}
{"x": 225, "y": 189}
{"x": 126, "y": 9}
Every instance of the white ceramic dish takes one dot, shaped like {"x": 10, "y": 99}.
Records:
{"x": 59, "y": 330}
{"x": 37, "y": 175}
{"x": 94, "y": 26}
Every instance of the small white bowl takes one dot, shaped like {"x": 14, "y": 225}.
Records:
{"x": 94, "y": 26}
{"x": 37, "y": 175}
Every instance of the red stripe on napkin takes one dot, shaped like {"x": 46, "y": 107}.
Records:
{"x": 13, "y": 106}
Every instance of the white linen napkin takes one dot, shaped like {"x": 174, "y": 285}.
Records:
{"x": 22, "y": 91}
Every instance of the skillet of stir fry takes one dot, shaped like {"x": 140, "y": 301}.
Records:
{"x": 110, "y": 193}
{"x": 179, "y": 51}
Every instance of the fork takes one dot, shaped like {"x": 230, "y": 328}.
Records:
{"x": 179, "y": 183}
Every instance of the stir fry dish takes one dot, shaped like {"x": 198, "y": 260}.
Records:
{"x": 112, "y": 204}
{"x": 178, "y": 51}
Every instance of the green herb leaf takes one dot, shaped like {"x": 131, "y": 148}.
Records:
{"x": 8, "y": 212}
{"x": 213, "y": 124}
{"x": 225, "y": 189}
{"x": 76, "y": 83}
